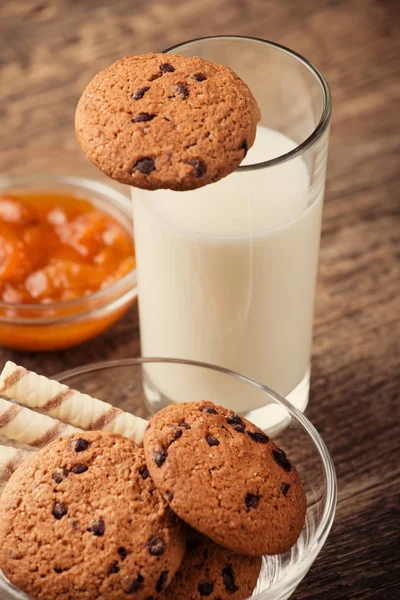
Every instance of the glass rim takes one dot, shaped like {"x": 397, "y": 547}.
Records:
{"x": 324, "y": 120}
{"x": 118, "y": 287}
{"x": 328, "y": 513}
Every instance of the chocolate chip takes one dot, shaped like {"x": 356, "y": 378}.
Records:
{"x": 280, "y": 458}
{"x": 138, "y": 94}
{"x": 78, "y": 469}
{"x": 182, "y": 91}
{"x": 199, "y": 167}
{"x": 178, "y": 434}
{"x": 114, "y": 568}
{"x": 258, "y": 437}
{"x": 184, "y": 425}
{"x": 205, "y": 588}
{"x": 98, "y": 527}
{"x": 145, "y": 165}
{"x": 170, "y": 496}
{"x": 210, "y": 410}
{"x": 199, "y": 77}
{"x": 234, "y": 420}
{"x": 244, "y": 147}
{"x": 285, "y": 488}
{"x": 162, "y": 581}
{"x": 167, "y": 68}
{"x": 160, "y": 457}
{"x": 211, "y": 440}
{"x": 135, "y": 585}
{"x": 143, "y": 118}
{"x": 79, "y": 445}
{"x": 251, "y": 501}
{"x": 123, "y": 552}
{"x": 59, "y": 510}
{"x": 239, "y": 428}
{"x": 57, "y": 477}
{"x": 57, "y": 570}
{"x": 156, "y": 546}
{"x": 228, "y": 577}
{"x": 144, "y": 472}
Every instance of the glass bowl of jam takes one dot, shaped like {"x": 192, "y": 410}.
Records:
{"x": 67, "y": 261}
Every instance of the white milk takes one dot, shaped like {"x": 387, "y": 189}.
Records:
{"x": 227, "y": 276}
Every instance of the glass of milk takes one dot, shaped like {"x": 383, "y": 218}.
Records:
{"x": 227, "y": 272}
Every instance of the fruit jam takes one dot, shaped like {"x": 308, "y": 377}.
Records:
{"x": 56, "y": 247}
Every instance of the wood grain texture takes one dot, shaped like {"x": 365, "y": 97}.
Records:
{"x": 48, "y": 52}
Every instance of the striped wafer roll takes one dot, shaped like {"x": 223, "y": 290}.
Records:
{"x": 10, "y": 459}
{"x": 67, "y": 405}
{"x": 29, "y": 427}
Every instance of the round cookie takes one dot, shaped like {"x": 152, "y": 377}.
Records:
{"x": 210, "y": 570}
{"x": 225, "y": 478}
{"x": 82, "y": 519}
{"x": 166, "y": 121}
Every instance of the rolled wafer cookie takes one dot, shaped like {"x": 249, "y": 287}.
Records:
{"x": 29, "y": 427}
{"x": 10, "y": 459}
{"x": 67, "y": 405}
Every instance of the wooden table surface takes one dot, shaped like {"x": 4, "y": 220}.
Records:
{"x": 48, "y": 52}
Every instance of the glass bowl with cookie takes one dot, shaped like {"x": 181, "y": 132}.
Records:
{"x": 258, "y": 511}
{"x": 67, "y": 260}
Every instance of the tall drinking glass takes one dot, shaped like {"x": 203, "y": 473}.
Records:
{"x": 227, "y": 272}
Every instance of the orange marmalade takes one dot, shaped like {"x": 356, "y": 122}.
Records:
{"x": 56, "y": 247}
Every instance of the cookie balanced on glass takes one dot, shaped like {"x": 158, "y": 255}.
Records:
{"x": 227, "y": 203}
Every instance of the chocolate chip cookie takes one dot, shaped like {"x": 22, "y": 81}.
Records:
{"x": 82, "y": 519}
{"x": 208, "y": 570}
{"x": 226, "y": 478}
{"x": 166, "y": 121}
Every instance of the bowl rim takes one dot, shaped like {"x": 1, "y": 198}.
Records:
{"x": 126, "y": 286}
{"x": 292, "y": 579}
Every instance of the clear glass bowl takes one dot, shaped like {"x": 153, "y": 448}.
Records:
{"x": 65, "y": 324}
{"x": 123, "y": 384}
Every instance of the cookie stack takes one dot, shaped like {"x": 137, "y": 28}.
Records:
{"x": 188, "y": 515}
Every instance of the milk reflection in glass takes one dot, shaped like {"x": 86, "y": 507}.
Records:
{"x": 227, "y": 275}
